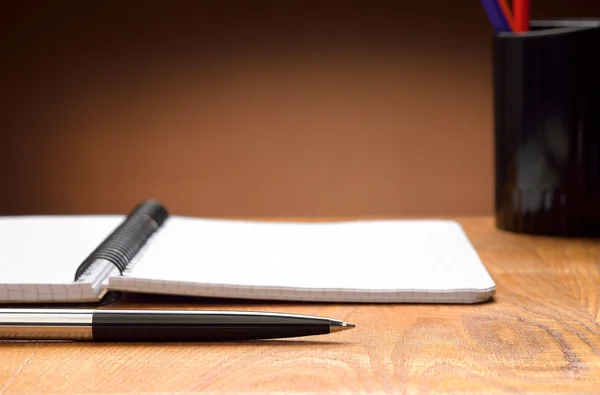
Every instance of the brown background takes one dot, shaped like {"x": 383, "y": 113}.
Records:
{"x": 250, "y": 108}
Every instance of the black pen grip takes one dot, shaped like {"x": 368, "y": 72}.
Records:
{"x": 110, "y": 326}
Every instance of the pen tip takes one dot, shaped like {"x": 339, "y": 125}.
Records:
{"x": 347, "y": 325}
{"x": 337, "y": 326}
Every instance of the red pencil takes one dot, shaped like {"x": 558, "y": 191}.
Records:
{"x": 521, "y": 9}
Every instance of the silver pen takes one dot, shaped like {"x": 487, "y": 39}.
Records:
{"x": 159, "y": 325}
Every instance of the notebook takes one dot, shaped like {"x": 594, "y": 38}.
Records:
{"x": 79, "y": 258}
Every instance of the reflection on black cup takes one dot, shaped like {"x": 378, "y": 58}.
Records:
{"x": 547, "y": 128}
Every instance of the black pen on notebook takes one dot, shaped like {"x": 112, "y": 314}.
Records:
{"x": 159, "y": 325}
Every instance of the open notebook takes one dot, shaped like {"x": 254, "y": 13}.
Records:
{"x": 80, "y": 258}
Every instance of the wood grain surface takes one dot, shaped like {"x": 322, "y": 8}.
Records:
{"x": 541, "y": 334}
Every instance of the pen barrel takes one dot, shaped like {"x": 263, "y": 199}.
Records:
{"x": 161, "y": 326}
{"x": 46, "y": 325}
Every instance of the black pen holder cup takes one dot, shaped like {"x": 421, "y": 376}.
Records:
{"x": 547, "y": 128}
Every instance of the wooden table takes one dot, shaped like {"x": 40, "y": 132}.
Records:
{"x": 541, "y": 334}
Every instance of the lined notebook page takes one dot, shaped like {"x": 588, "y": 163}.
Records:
{"x": 386, "y": 261}
{"x": 40, "y": 254}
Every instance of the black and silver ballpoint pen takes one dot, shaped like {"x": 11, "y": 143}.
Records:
{"x": 159, "y": 325}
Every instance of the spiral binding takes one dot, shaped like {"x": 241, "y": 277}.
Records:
{"x": 122, "y": 245}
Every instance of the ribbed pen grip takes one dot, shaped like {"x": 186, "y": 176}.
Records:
{"x": 123, "y": 244}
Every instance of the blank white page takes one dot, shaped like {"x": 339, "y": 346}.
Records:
{"x": 49, "y": 249}
{"x": 307, "y": 260}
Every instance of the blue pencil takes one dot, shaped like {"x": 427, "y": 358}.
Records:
{"x": 495, "y": 15}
